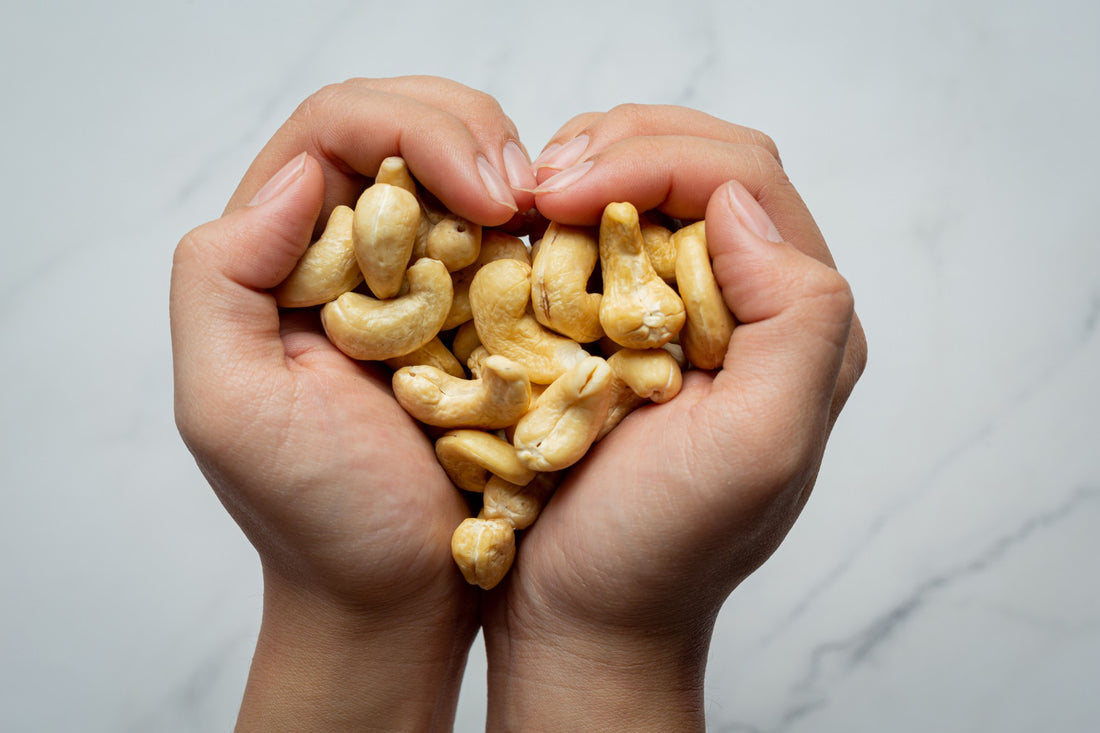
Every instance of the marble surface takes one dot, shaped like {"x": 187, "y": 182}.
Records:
{"x": 943, "y": 575}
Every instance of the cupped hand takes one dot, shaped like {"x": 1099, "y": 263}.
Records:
{"x": 334, "y": 484}
{"x": 648, "y": 535}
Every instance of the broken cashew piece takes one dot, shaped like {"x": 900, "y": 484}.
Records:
{"x": 564, "y": 421}
{"x": 500, "y": 296}
{"x": 384, "y": 229}
{"x": 497, "y": 399}
{"x": 560, "y": 270}
{"x": 709, "y": 325}
{"x": 370, "y": 329}
{"x": 470, "y": 456}
{"x": 328, "y": 268}
{"x": 639, "y": 310}
{"x": 484, "y": 550}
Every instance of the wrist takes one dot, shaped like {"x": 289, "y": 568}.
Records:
{"x": 596, "y": 679}
{"x": 322, "y": 666}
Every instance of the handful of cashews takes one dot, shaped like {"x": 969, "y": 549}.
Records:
{"x": 505, "y": 350}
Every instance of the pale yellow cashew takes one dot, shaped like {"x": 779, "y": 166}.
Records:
{"x": 434, "y": 354}
{"x": 709, "y": 326}
{"x": 500, "y": 296}
{"x": 465, "y": 341}
{"x": 639, "y": 310}
{"x": 454, "y": 241}
{"x": 652, "y": 374}
{"x": 560, "y": 270}
{"x": 384, "y": 230}
{"x": 328, "y": 268}
{"x": 484, "y": 550}
{"x": 660, "y": 249}
{"x": 369, "y": 329}
{"x": 566, "y": 418}
{"x": 640, "y": 376}
{"x": 520, "y": 505}
{"x": 395, "y": 171}
{"x": 470, "y": 456}
{"x": 495, "y": 245}
{"x": 496, "y": 399}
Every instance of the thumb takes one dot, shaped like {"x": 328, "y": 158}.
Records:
{"x": 221, "y": 312}
{"x": 793, "y": 314}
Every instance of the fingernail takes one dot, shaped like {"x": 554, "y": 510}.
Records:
{"x": 279, "y": 182}
{"x": 565, "y": 179}
{"x": 560, "y": 157}
{"x": 495, "y": 185}
{"x": 751, "y": 215}
{"x": 517, "y": 167}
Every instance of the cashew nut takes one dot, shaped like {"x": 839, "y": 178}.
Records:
{"x": 564, "y": 262}
{"x": 454, "y": 241}
{"x": 495, "y": 400}
{"x": 470, "y": 456}
{"x": 709, "y": 325}
{"x": 500, "y": 296}
{"x": 484, "y": 550}
{"x": 640, "y": 376}
{"x": 520, "y": 505}
{"x": 384, "y": 230}
{"x": 465, "y": 341}
{"x": 395, "y": 171}
{"x": 327, "y": 269}
{"x": 639, "y": 310}
{"x": 434, "y": 354}
{"x": 564, "y": 421}
{"x": 661, "y": 249}
{"x": 365, "y": 328}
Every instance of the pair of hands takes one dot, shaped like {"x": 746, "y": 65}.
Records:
{"x": 367, "y": 621}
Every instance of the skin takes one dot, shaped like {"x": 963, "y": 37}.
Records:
{"x": 367, "y": 622}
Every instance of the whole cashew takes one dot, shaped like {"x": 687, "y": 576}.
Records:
{"x": 454, "y": 241}
{"x": 500, "y": 297}
{"x": 709, "y": 325}
{"x": 495, "y": 400}
{"x": 434, "y": 354}
{"x": 395, "y": 171}
{"x": 484, "y": 550}
{"x": 520, "y": 505}
{"x": 470, "y": 456}
{"x": 639, "y": 310}
{"x": 564, "y": 261}
{"x": 563, "y": 422}
{"x": 369, "y": 329}
{"x": 328, "y": 268}
{"x": 384, "y": 229}
{"x": 661, "y": 249}
{"x": 495, "y": 245}
{"x": 640, "y": 376}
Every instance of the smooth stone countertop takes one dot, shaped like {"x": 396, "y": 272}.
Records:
{"x": 941, "y": 577}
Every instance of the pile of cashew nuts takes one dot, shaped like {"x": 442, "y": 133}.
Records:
{"x": 501, "y": 349}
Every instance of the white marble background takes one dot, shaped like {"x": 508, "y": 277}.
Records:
{"x": 943, "y": 578}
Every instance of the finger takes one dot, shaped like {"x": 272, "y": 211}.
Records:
{"x": 221, "y": 313}
{"x": 677, "y": 175}
{"x": 794, "y": 317}
{"x": 482, "y": 114}
{"x": 586, "y": 135}
{"x": 350, "y": 128}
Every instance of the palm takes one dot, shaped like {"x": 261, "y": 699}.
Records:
{"x": 344, "y": 486}
{"x": 652, "y": 512}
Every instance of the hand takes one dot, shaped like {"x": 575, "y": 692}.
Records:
{"x": 617, "y": 585}
{"x": 365, "y": 614}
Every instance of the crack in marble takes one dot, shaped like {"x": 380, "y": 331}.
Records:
{"x": 850, "y": 652}
{"x": 1041, "y": 379}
